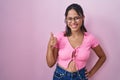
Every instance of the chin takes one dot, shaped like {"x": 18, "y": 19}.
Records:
{"x": 75, "y": 30}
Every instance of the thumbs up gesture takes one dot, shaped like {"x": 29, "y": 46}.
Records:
{"x": 52, "y": 41}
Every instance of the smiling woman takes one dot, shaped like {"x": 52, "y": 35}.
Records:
{"x": 70, "y": 49}
{"x": 24, "y": 31}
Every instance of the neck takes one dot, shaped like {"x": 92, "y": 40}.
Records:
{"x": 77, "y": 33}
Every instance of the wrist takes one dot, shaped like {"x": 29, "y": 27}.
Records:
{"x": 90, "y": 74}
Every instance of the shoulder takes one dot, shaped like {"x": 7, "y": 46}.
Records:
{"x": 89, "y": 35}
{"x": 92, "y": 39}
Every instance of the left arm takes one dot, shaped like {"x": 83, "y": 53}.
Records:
{"x": 102, "y": 57}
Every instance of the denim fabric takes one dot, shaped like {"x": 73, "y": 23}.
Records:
{"x": 61, "y": 74}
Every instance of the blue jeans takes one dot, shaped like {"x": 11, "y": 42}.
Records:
{"x": 61, "y": 74}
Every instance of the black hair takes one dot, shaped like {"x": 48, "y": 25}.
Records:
{"x": 79, "y": 11}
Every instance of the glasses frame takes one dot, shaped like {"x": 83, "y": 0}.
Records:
{"x": 76, "y": 19}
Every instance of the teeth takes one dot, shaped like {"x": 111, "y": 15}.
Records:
{"x": 74, "y": 26}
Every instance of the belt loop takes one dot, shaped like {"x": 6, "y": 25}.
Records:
{"x": 65, "y": 72}
{"x": 78, "y": 72}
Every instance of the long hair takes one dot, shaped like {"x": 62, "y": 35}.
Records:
{"x": 79, "y": 11}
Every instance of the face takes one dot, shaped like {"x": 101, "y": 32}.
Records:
{"x": 73, "y": 20}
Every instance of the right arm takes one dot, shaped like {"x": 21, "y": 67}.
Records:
{"x": 52, "y": 51}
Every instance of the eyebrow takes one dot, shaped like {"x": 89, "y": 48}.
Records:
{"x": 74, "y": 16}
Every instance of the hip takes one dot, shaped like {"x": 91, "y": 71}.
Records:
{"x": 62, "y": 74}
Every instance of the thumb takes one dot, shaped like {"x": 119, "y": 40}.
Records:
{"x": 52, "y": 35}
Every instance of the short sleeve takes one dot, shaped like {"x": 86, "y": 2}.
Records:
{"x": 59, "y": 37}
{"x": 94, "y": 42}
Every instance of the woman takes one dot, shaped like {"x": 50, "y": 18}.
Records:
{"x": 71, "y": 49}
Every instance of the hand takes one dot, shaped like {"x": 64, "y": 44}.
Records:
{"x": 52, "y": 41}
{"x": 87, "y": 74}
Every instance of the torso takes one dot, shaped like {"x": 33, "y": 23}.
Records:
{"x": 74, "y": 42}
{"x": 80, "y": 45}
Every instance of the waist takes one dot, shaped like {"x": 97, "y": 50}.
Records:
{"x": 65, "y": 63}
{"x": 78, "y": 72}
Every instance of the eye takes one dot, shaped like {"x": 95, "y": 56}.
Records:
{"x": 69, "y": 18}
{"x": 76, "y": 18}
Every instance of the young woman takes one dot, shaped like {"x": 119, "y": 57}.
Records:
{"x": 70, "y": 49}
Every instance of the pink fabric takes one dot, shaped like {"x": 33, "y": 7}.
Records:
{"x": 81, "y": 53}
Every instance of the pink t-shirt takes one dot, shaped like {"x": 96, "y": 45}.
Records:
{"x": 81, "y": 53}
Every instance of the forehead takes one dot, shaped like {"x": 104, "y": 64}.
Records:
{"x": 72, "y": 13}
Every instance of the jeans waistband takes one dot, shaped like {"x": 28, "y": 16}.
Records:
{"x": 79, "y": 72}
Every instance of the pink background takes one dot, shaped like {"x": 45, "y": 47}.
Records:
{"x": 25, "y": 27}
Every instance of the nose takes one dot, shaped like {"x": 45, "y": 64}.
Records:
{"x": 73, "y": 20}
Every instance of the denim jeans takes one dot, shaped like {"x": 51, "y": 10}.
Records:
{"x": 61, "y": 74}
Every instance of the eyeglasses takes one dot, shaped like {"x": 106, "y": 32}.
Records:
{"x": 76, "y": 19}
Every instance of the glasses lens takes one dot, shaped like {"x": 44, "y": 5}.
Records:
{"x": 77, "y": 18}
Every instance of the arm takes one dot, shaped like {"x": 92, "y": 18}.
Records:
{"x": 52, "y": 52}
{"x": 102, "y": 57}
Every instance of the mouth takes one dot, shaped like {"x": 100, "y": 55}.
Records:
{"x": 74, "y": 25}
